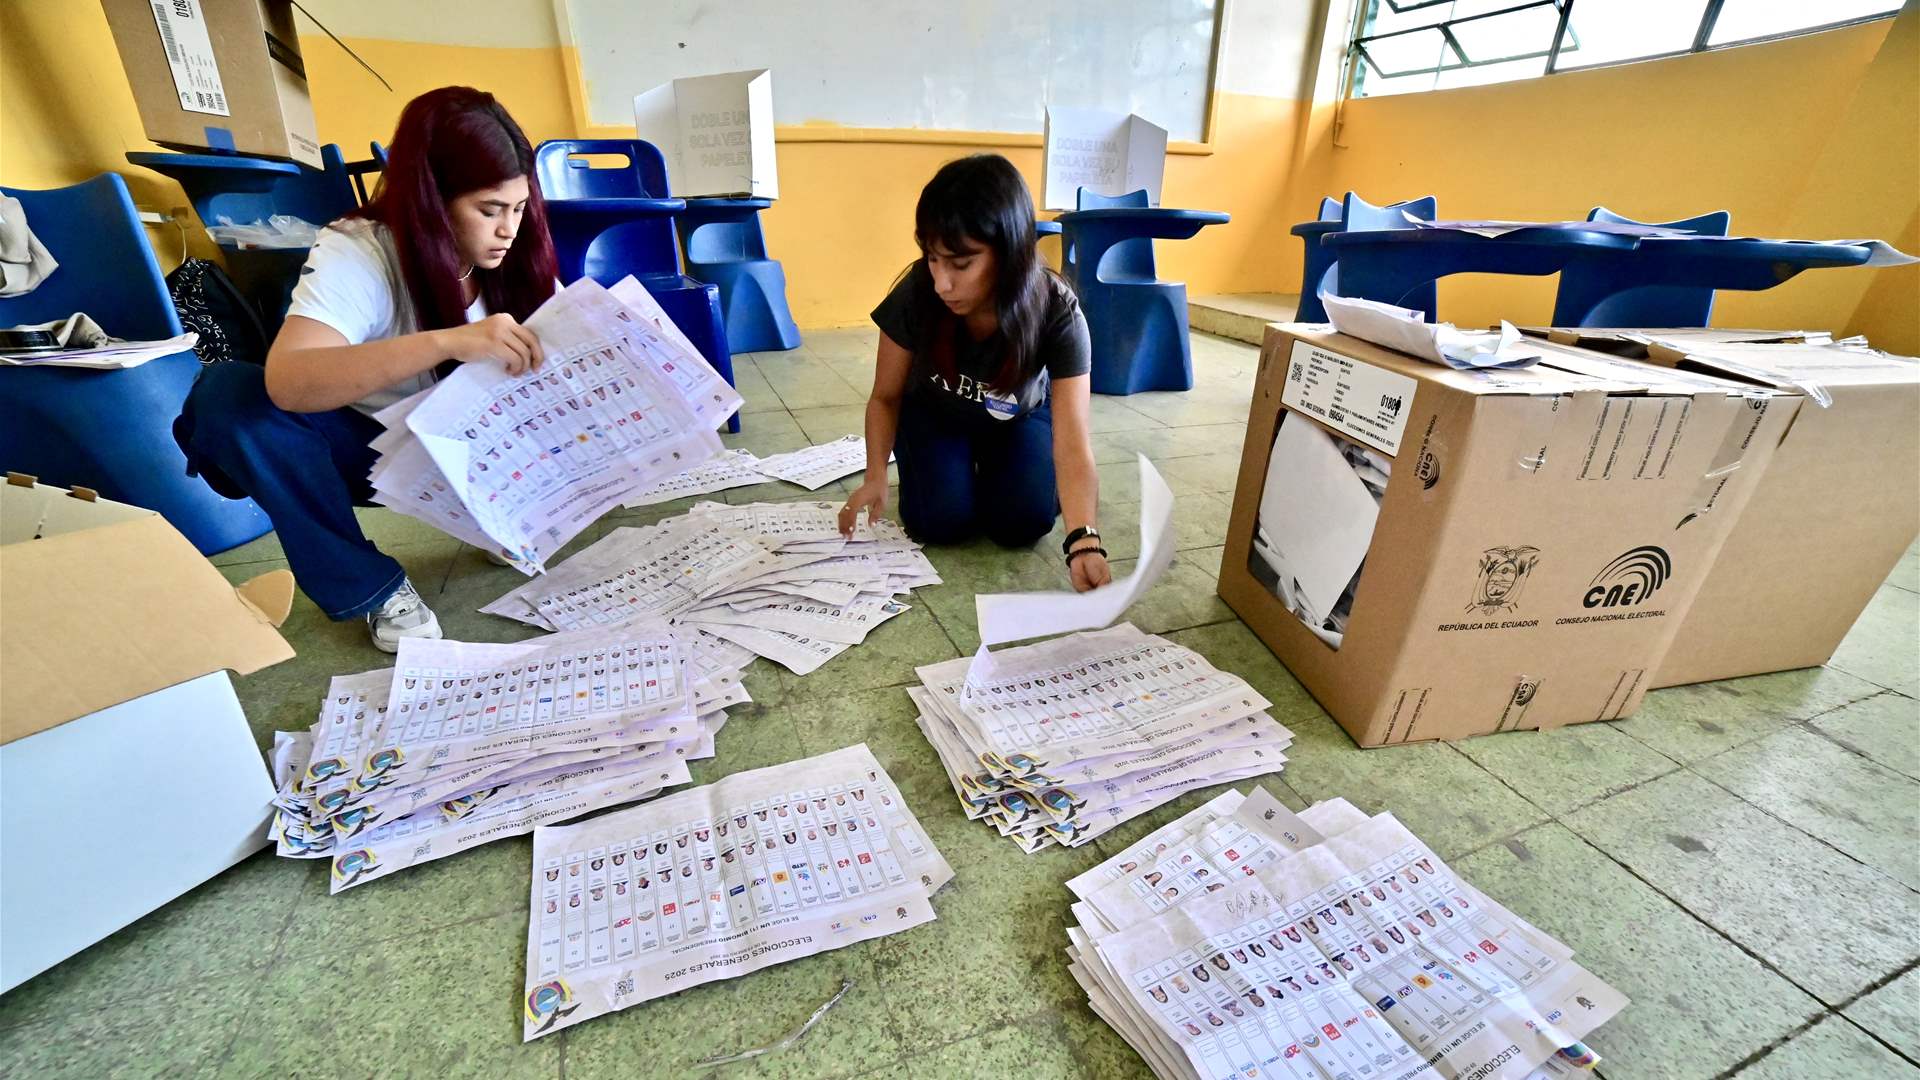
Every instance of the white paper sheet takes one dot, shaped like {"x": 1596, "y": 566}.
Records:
{"x": 1407, "y": 331}
{"x": 731, "y": 469}
{"x": 112, "y": 356}
{"x": 817, "y": 466}
{"x": 1004, "y": 617}
{"x": 758, "y": 869}
{"x": 1315, "y": 514}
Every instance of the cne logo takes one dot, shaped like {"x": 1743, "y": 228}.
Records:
{"x": 1631, "y": 579}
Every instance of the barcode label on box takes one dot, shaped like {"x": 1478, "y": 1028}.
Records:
{"x": 1351, "y": 396}
{"x": 196, "y": 75}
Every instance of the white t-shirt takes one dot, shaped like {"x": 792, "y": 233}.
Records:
{"x": 352, "y": 283}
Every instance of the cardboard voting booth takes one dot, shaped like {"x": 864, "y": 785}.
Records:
{"x": 222, "y": 75}
{"x": 1107, "y": 152}
{"x": 716, "y": 132}
{"x": 1541, "y": 535}
{"x": 1838, "y": 506}
{"x": 115, "y": 641}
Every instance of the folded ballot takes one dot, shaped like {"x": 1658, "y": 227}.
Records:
{"x": 521, "y": 464}
{"x": 1243, "y": 940}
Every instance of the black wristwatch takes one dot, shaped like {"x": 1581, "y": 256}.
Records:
{"x": 1084, "y": 532}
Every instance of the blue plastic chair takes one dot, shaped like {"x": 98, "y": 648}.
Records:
{"x": 109, "y": 430}
{"x": 1320, "y": 271}
{"x": 1138, "y": 323}
{"x": 360, "y": 170}
{"x": 722, "y": 242}
{"x": 1604, "y": 290}
{"x": 239, "y": 188}
{"x": 607, "y": 223}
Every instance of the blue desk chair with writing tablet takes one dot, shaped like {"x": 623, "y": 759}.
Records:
{"x": 723, "y": 243}
{"x": 611, "y": 220}
{"x": 1609, "y": 291}
{"x": 111, "y": 431}
{"x": 1138, "y": 322}
{"x": 1320, "y": 271}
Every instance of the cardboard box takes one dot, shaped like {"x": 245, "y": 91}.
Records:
{"x": 1837, "y": 508}
{"x": 716, "y": 132}
{"x": 1107, "y": 152}
{"x": 1542, "y": 533}
{"x": 218, "y": 75}
{"x": 115, "y": 637}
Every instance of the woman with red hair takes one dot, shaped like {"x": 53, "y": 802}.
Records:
{"x": 440, "y": 267}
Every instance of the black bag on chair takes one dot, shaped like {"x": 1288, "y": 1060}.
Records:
{"x": 211, "y": 305}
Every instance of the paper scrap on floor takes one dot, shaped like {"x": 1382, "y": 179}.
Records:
{"x": 1242, "y": 940}
{"x": 522, "y": 464}
{"x": 758, "y": 869}
{"x": 463, "y": 743}
{"x": 1407, "y": 331}
{"x": 1067, "y": 738}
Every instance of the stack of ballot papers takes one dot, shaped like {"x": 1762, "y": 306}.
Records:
{"x": 461, "y": 743}
{"x": 520, "y": 464}
{"x": 761, "y": 868}
{"x": 777, "y": 579}
{"x": 1245, "y": 941}
{"x": 1318, "y": 508}
{"x": 812, "y": 468}
{"x": 1058, "y": 742}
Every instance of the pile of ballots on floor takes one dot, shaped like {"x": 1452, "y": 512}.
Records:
{"x": 1057, "y": 742}
{"x": 777, "y": 579}
{"x": 462, "y": 743}
{"x": 1243, "y": 940}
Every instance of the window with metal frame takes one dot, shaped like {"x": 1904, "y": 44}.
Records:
{"x": 1407, "y": 46}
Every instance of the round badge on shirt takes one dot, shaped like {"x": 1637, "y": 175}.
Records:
{"x": 1001, "y": 406}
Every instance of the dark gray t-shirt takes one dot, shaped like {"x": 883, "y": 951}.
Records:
{"x": 1064, "y": 347}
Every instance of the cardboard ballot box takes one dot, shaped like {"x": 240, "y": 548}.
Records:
{"x": 114, "y": 639}
{"x": 1835, "y": 511}
{"x": 1107, "y": 152}
{"x": 1541, "y": 534}
{"x": 716, "y": 132}
{"x": 218, "y": 75}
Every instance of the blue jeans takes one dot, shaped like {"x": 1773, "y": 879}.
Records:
{"x": 306, "y": 470}
{"x": 962, "y": 477}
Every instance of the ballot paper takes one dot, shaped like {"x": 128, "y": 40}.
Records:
{"x": 462, "y": 743}
{"x": 758, "y": 869}
{"x": 776, "y": 579}
{"x": 1004, "y": 617}
{"x": 1492, "y": 228}
{"x": 522, "y": 464}
{"x": 1321, "y": 944}
{"x": 817, "y": 466}
{"x": 1067, "y": 738}
{"x": 1407, "y": 331}
{"x": 730, "y": 469}
{"x": 1316, "y": 517}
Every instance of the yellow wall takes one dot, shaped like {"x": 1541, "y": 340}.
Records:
{"x": 1811, "y": 137}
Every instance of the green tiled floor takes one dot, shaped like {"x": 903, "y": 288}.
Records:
{"x": 1670, "y": 849}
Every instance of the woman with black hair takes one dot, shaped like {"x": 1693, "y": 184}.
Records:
{"x": 981, "y": 387}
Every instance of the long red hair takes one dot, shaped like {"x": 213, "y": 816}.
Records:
{"x": 449, "y": 142}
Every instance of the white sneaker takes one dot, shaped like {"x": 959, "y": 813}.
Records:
{"x": 403, "y": 615}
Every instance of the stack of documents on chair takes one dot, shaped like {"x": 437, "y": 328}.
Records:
{"x": 775, "y": 578}
{"x": 1243, "y": 940}
{"x": 462, "y": 743}
{"x": 522, "y": 464}
{"x": 761, "y": 868}
{"x": 1058, "y": 742}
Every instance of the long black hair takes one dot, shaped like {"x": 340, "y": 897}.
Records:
{"x": 983, "y": 198}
